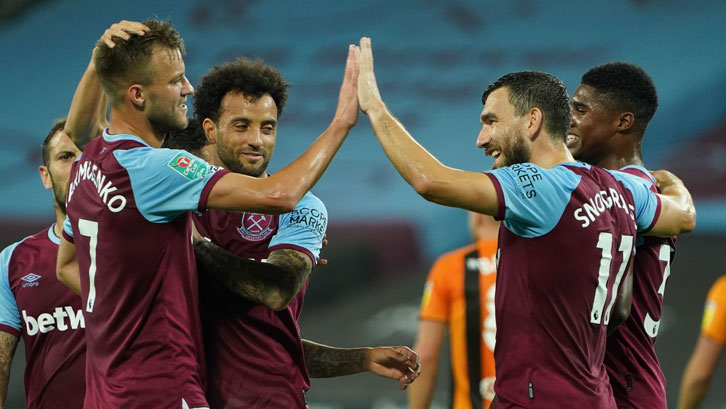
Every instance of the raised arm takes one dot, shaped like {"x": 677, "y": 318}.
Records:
{"x": 678, "y": 214}
{"x": 280, "y": 192}
{"x": 274, "y": 283}
{"x": 87, "y": 115}
{"x": 8, "y": 343}
{"x": 429, "y": 177}
{"x": 398, "y": 362}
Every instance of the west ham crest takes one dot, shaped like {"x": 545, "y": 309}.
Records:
{"x": 255, "y": 227}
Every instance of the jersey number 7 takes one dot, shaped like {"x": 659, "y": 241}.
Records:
{"x": 89, "y": 229}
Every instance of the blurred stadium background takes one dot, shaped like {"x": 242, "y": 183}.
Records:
{"x": 433, "y": 60}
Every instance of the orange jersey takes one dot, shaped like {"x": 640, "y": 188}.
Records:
{"x": 714, "y": 315}
{"x": 444, "y": 300}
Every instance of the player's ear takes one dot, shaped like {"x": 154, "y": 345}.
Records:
{"x": 534, "y": 118}
{"x": 626, "y": 120}
{"x": 45, "y": 177}
{"x": 210, "y": 130}
{"x": 135, "y": 93}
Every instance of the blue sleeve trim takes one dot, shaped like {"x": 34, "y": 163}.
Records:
{"x": 534, "y": 197}
{"x": 9, "y": 313}
{"x": 647, "y": 203}
{"x": 67, "y": 228}
{"x": 303, "y": 227}
{"x": 165, "y": 182}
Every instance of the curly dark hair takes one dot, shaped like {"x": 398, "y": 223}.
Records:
{"x": 530, "y": 89}
{"x": 191, "y": 139}
{"x": 251, "y": 78}
{"x": 621, "y": 87}
{"x": 128, "y": 62}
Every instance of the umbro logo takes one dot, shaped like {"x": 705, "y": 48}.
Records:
{"x": 30, "y": 280}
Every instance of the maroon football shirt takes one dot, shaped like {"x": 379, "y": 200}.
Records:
{"x": 565, "y": 244}
{"x": 48, "y": 316}
{"x": 630, "y": 359}
{"x": 128, "y": 217}
{"x": 254, "y": 354}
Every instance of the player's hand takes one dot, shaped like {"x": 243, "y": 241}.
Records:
{"x": 368, "y": 95}
{"x": 665, "y": 179}
{"x": 123, "y": 31}
{"x": 324, "y": 261}
{"x": 399, "y": 363}
{"x": 347, "y": 111}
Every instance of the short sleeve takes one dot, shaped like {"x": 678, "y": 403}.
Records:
{"x": 534, "y": 198}
{"x": 714, "y": 314}
{"x": 67, "y": 229}
{"x": 167, "y": 182}
{"x": 303, "y": 228}
{"x": 647, "y": 203}
{"x": 9, "y": 314}
{"x": 436, "y": 300}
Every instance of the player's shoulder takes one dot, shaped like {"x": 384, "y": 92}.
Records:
{"x": 32, "y": 240}
{"x": 718, "y": 289}
{"x": 309, "y": 200}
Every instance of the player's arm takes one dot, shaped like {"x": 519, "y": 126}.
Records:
{"x": 274, "y": 283}
{"x": 678, "y": 214}
{"x": 429, "y": 177}
{"x": 67, "y": 266}
{"x": 699, "y": 372}
{"x": 623, "y": 302}
{"x": 8, "y": 343}
{"x": 280, "y": 192}
{"x": 87, "y": 115}
{"x": 428, "y": 346}
{"x": 398, "y": 362}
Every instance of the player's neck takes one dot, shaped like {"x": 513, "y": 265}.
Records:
{"x": 546, "y": 154}
{"x": 622, "y": 155}
{"x": 60, "y": 218}
{"x": 124, "y": 122}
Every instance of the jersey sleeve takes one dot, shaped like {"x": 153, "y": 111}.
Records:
{"x": 9, "y": 313}
{"x": 168, "y": 182}
{"x": 714, "y": 314}
{"x": 67, "y": 229}
{"x": 647, "y": 203}
{"x": 436, "y": 300}
{"x": 532, "y": 199}
{"x": 303, "y": 228}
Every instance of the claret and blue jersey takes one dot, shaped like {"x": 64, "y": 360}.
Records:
{"x": 49, "y": 317}
{"x": 566, "y": 241}
{"x": 128, "y": 215}
{"x": 254, "y": 354}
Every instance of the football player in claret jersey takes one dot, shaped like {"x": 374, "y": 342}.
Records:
{"x": 126, "y": 245}
{"x": 611, "y": 109}
{"x": 255, "y": 356}
{"x": 35, "y": 305}
{"x": 566, "y": 239}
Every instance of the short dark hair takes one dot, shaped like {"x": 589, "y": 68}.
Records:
{"x": 58, "y": 125}
{"x": 191, "y": 139}
{"x": 251, "y": 78}
{"x": 621, "y": 87}
{"x": 530, "y": 89}
{"x": 128, "y": 62}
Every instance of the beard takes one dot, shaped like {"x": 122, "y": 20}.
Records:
{"x": 232, "y": 163}
{"x": 515, "y": 148}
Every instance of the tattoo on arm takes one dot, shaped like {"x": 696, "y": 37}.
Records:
{"x": 274, "y": 283}
{"x": 324, "y": 362}
{"x": 8, "y": 343}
